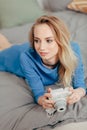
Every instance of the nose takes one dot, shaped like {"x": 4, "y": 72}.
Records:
{"x": 42, "y": 46}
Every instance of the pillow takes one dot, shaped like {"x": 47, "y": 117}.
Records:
{"x": 54, "y": 5}
{"x": 17, "y": 12}
{"x": 78, "y": 5}
{"x": 4, "y": 43}
{"x": 86, "y": 81}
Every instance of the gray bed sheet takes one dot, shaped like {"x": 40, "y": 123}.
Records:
{"x": 19, "y": 112}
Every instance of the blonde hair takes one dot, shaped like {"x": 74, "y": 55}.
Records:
{"x": 67, "y": 59}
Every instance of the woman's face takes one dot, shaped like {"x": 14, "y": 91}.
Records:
{"x": 45, "y": 44}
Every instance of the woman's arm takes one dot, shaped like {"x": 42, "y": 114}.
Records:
{"x": 35, "y": 82}
{"x": 78, "y": 83}
{"x": 31, "y": 76}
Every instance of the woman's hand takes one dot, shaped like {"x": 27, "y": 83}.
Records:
{"x": 44, "y": 100}
{"x": 76, "y": 95}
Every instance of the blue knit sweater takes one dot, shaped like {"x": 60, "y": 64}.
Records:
{"x": 25, "y": 62}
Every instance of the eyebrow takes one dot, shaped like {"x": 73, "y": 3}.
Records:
{"x": 45, "y": 38}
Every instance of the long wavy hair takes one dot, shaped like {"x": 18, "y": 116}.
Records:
{"x": 67, "y": 58}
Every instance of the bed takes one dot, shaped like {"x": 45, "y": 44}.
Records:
{"x": 17, "y": 108}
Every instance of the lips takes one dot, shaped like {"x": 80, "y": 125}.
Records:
{"x": 43, "y": 53}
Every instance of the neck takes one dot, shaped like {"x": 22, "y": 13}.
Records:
{"x": 50, "y": 65}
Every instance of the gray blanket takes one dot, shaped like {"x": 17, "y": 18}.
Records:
{"x": 19, "y": 112}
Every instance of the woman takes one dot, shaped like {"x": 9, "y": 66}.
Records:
{"x": 50, "y": 58}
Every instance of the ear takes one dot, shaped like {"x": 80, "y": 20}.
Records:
{"x": 4, "y": 43}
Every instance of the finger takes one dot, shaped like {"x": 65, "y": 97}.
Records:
{"x": 47, "y": 95}
{"x": 73, "y": 100}
{"x": 71, "y": 89}
{"x": 72, "y": 96}
{"x": 75, "y": 95}
{"x": 49, "y": 90}
{"x": 47, "y": 101}
{"x": 47, "y": 106}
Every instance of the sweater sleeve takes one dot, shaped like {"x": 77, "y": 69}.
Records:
{"x": 32, "y": 77}
{"x": 78, "y": 78}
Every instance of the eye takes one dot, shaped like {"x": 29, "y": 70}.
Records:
{"x": 49, "y": 40}
{"x": 36, "y": 41}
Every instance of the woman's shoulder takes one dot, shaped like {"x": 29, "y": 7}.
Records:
{"x": 29, "y": 54}
{"x": 74, "y": 44}
{"x": 76, "y": 48}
